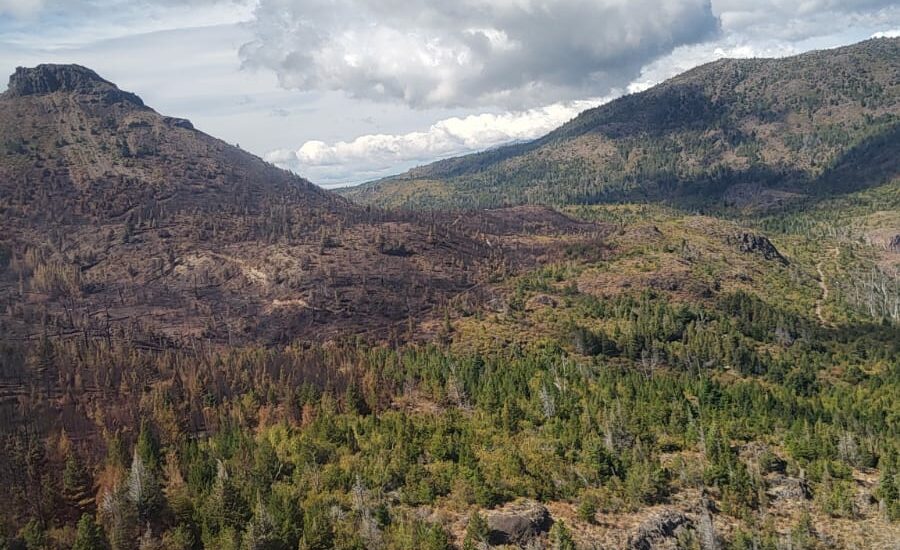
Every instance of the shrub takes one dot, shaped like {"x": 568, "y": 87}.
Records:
{"x": 587, "y": 508}
{"x": 57, "y": 279}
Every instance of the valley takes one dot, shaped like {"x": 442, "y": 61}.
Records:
{"x": 674, "y": 322}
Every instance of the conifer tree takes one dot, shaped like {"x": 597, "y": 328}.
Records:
{"x": 88, "y": 535}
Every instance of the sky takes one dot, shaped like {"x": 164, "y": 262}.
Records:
{"x": 346, "y": 91}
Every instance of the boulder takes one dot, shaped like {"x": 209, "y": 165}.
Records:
{"x": 785, "y": 488}
{"x": 660, "y": 531}
{"x": 894, "y": 244}
{"x": 518, "y": 523}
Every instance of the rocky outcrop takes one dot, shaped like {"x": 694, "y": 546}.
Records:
{"x": 894, "y": 244}
{"x": 48, "y": 79}
{"x": 750, "y": 243}
{"x": 763, "y": 457}
{"x": 178, "y": 122}
{"x": 785, "y": 488}
{"x": 660, "y": 531}
{"x": 518, "y": 523}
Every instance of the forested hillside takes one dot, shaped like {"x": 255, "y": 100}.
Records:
{"x": 680, "y": 382}
{"x": 198, "y": 350}
{"x": 750, "y": 133}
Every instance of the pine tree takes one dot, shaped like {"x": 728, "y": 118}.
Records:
{"x": 476, "y": 532}
{"x": 148, "y": 448}
{"x": 88, "y": 535}
{"x": 120, "y": 519}
{"x": 225, "y": 508}
{"x": 143, "y": 487}
{"x": 260, "y": 534}
{"x": 34, "y": 535}
{"x": 318, "y": 531}
{"x": 560, "y": 537}
{"x": 76, "y": 483}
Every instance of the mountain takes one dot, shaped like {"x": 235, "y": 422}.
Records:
{"x": 750, "y": 133}
{"x": 119, "y": 221}
{"x": 78, "y": 150}
{"x": 199, "y": 350}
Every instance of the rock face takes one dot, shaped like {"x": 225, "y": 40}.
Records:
{"x": 785, "y": 488}
{"x": 758, "y": 244}
{"x": 894, "y": 245}
{"x": 178, "y": 122}
{"x": 659, "y": 531}
{"x": 48, "y": 79}
{"x": 518, "y": 523}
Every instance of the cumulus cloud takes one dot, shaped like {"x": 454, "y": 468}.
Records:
{"x": 515, "y": 54}
{"x": 425, "y": 53}
{"x": 372, "y": 156}
{"x": 489, "y": 71}
{"x": 375, "y": 155}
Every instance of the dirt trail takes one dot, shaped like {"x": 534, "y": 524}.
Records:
{"x": 824, "y": 286}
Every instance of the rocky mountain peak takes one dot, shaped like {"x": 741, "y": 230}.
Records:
{"x": 50, "y": 78}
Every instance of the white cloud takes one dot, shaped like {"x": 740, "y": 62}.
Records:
{"x": 420, "y": 56}
{"x": 513, "y": 53}
{"x": 893, "y": 33}
{"x": 374, "y": 155}
{"x": 510, "y": 69}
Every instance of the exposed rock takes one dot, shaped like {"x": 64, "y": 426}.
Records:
{"x": 178, "y": 122}
{"x": 758, "y": 244}
{"x": 660, "y": 531}
{"x": 894, "y": 244}
{"x": 48, "y": 79}
{"x": 789, "y": 488}
{"x": 762, "y": 456}
{"x": 706, "y": 529}
{"x": 541, "y": 301}
{"x": 518, "y": 523}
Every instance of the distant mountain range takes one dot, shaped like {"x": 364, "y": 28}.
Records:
{"x": 750, "y": 133}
